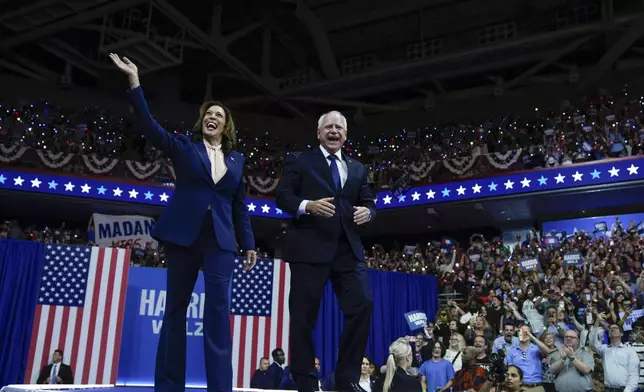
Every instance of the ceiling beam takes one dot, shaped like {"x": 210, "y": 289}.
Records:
{"x": 46, "y": 73}
{"x": 340, "y": 18}
{"x": 386, "y": 73}
{"x": 215, "y": 45}
{"x": 20, "y": 70}
{"x": 241, "y": 33}
{"x": 549, "y": 60}
{"x": 616, "y": 51}
{"x": 65, "y": 23}
{"x": 320, "y": 37}
{"x": 69, "y": 54}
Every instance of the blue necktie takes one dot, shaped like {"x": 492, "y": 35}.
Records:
{"x": 54, "y": 375}
{"x": 335, "y": 172}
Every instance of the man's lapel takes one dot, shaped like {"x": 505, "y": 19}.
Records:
{"x": 352, "y": 169}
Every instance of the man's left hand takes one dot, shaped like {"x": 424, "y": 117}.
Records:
{"x": 251, "y": 260}
{"x": 361, "y": 215}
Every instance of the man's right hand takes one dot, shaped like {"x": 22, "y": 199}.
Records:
{"x": 322, "y": 207}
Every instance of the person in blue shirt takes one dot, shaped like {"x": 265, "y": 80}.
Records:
{"x": 527, "y": 357}
{"x": 436, "y": 372}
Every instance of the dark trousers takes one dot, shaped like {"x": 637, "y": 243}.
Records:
{"x": 351, "y": 286}
{"x": 183, "y": 264}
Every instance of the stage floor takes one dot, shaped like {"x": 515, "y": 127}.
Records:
{"x": 105, "y": 388}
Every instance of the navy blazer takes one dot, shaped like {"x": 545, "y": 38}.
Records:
{"x": 181, "y": 221}
{"x": 307, "y": 176}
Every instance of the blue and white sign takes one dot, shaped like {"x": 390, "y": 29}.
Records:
{"x": 529, "y": 264}
{"x": 572, "y": 259}
{"x": 416, "y": 319}
{"x": 123, "y": 231}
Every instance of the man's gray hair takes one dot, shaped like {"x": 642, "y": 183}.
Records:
{"x": 323, "y": 117}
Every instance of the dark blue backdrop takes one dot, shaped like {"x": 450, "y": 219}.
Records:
{"x": 394, "y": 294}
{"x": 21, "y": 266}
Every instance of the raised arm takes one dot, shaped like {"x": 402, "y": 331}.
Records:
{"x": 144, "y": 121}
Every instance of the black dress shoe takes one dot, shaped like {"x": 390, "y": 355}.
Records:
{"x": 351, "y": 387}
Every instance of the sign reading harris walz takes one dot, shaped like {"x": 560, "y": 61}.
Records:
{"x": 572, "y": 259}
{"x": 529, "y": 264}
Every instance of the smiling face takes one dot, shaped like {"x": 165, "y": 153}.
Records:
{"x": 332, "y": 131}
{"x": 214, "y": 121}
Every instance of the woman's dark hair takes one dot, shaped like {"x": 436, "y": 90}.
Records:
{"x": 229, "y": 134}
{"x": 518, "y": 371}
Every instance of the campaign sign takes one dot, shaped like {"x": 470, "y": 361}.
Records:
{"x": 628, "y": 324}
{"x": 123, "y": 230}
{"x": 529, "y": 264}
{"x": 144, "y": 309}
{"x": 572, "y": 259}
{"x": 416, "y": 319}
{"x": 475, "y": 257}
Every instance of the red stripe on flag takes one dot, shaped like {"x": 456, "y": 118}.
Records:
{"x": 89, "y": 350}
{"x": 77, "y": 335}
{"x": 242, "y": 351}
{"x": 119, "y": 320}
{"x": 32, "y": 345}
{"x": 280, "y": 304}
{"x": 253, "y": 355}
{"x": 106, "y": 315}
{"x": 63, "y": 329}
{"x": 51, "y": 314}
{"x": 267, "y": 338}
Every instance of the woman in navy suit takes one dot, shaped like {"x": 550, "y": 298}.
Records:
{"x": 200, "y": 228}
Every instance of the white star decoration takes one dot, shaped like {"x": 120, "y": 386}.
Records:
{"x": 266, "y": 209}
{"x": 509, "y": 184}
{"x": 430, "y": 194}
{"x": 251, "y": 207}
{"x": 118, "y": 192}
{"x": 85, "y": 188}
{"x": 35, "y": 183}
{"x": 577, "y": 176}
{"x": 476, "y": 188}
{"x": 525, "y": 183}
{"x": 614, "y": 172}
{"x": 387, "y": 199}
{"x": 632, "y": 170}
{"x": 560, "y": 178}
{"x": 415, "y": 196}
{"x": 164, "y": 197}
{"x": 18, "y": 181}
{"x": 133, "y": 194}
{"x": 69, "y": 187}
{"x": 460, "y": 190}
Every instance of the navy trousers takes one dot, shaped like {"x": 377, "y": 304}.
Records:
{"x": 183, "y": 264}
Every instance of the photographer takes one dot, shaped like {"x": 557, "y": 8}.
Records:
{"x": 513, "y": 381}
{"x": 572, "y": 366}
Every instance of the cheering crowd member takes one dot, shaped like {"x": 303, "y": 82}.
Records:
{"x": 329, "y": 198}
{"x": 199, "y": 228}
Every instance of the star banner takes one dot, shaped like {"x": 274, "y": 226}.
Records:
{"x": 610, "y": 171}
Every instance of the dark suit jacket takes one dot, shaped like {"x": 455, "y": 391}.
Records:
{"x": 314, "y": 239}
{"x": 402, "y": 382}
{"x": 261, "y": 380}
{"x": 195, "y": 190}
{"x": 275, "y": 374}
{"x": 64, "y": 372}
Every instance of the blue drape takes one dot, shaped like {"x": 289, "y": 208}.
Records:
{"x": 21, "y": 266}
{"x": 394, "y": 294}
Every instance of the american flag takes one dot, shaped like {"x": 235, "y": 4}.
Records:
{"x": 80, "y": 311}
{"x": 259, "y": 315}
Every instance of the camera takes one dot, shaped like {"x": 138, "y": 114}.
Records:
{"x": 497, "y": 367}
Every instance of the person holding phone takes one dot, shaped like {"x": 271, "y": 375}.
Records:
{"x": 200, "y": 228}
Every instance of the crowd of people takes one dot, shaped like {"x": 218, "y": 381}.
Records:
{"x": 591, "y": 130}
{"x": 557, "y": 327}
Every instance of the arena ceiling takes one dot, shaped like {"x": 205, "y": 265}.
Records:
{"x": 295, "y": 58}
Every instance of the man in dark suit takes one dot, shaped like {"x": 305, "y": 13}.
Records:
{"x": 56, "y": 372}
{"x": 276, "y": 370}
{"x": 328, "y": 196}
